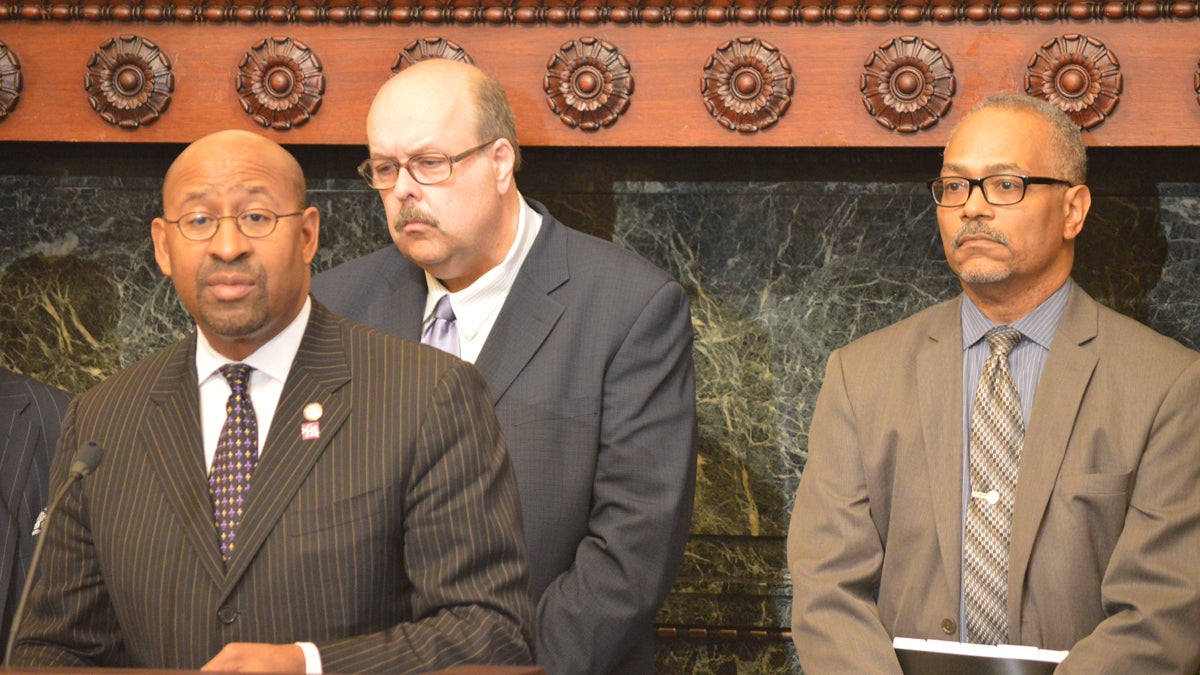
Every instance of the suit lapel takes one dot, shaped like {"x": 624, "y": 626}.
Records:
{"x": 401, "y": 310}
{"x": 1064, "y": 380}
{"x": 16, "y": 447}
{"x": 318, "y": 371}
{"x": 172, "y": 438}
{"x": 939, "y": 388}
{"x": 16, "y": 456}
{"x": 529, "y": 313}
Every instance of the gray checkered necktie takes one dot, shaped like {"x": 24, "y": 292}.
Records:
{"x": 997, "y": 433}
{"x": 442, "y": 331}
{"x": 235, "y": 458}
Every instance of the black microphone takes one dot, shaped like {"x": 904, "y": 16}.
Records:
{"x": 86, "y": 461}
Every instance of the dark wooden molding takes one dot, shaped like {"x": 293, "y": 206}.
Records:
{"x": 1078, "y": 74}
{"x": 569, "y": 12}
{"x": 10, "y": 80}
{"x": 907, "y": 84}
{"x": 588, "y": 83}
{"x": 280, "y": 83}
{"x": 747, "y": 84}
{"x": 129, "y": 81}
{"x": 429, "y": 48}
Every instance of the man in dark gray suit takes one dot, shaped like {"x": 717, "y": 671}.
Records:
{"x": 360, "y": 512}
{"x": 587, "y": 350}
{"x": 30, "y": 413}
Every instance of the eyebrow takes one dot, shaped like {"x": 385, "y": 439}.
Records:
{"x": 991, "y": 169}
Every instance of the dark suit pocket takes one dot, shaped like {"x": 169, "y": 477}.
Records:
{"x": 337, "y": 514}
{"x": 522, "y": 413}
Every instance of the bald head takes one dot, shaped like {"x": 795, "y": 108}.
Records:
{"x": 225, "y": 148}
{"x": 453, "y": 92}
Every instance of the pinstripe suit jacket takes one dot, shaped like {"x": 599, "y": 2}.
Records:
{"x": 30, "y": 413}
{"x": 393, "y": 541}
{"x": 590, "y": 368}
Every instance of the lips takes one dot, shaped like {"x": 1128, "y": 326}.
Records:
{"x": 229, "y": 287}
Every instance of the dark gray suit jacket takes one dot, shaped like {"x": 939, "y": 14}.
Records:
{"x": 1106, "y": 526}
{"x": 393, "y": 540}
{"x": 30, "y": 413}
{"x": 590, "y": 369}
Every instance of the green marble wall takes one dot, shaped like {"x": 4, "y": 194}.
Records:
{"x": 786, "y": 255}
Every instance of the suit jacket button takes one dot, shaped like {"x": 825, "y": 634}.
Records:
{"x": 949, "y": 626}
{"x": 227, "y": 615}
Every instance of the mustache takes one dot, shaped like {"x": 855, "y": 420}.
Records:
{"x": 412, "y": 214}
{"x": 976, "y": 227}
{"x": 239, "y": 266}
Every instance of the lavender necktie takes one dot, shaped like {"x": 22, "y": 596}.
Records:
{"x": 235, "y": 458}
{"x": 442, "y": 331}
{"x": 997, "y": 434}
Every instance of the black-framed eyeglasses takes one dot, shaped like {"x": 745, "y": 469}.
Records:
{"x": 253, "y": 223}
{"x": 1002, "y": 189}
{"x": 427, "y": 168}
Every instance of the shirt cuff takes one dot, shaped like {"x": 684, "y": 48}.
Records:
{"x": 312, "y": 658}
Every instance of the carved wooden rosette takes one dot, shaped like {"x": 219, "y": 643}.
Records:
{"x": 1196, "y": 82}
{"x": 129, "y": 81}
{"x": 747, "y": 84}
{"x": 10, "y": 80}
{"x": 907, "y": 84}
{"x": 429, "y": 48}
{"x": 588, "y": 83}
{"x": 1078, "y": 74}
{"x": 280, "y": 83}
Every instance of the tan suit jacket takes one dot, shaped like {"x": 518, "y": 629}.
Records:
{"x": 393, "y": 540}
{"x": 1106, "y": 529}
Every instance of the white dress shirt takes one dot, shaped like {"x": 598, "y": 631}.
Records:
{"x": 477, "y": 306}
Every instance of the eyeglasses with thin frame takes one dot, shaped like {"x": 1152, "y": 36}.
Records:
{"x": 1002, "y": 189}
{"x": 253, "y": 223}
{"x": 427, "y": 168}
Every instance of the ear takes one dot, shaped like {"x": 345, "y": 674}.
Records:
{"x": 310, "y": 231}
{"x": 162, "y": 254}
{"x": 503, "y": 157}
{"x": 1076, "y": 203}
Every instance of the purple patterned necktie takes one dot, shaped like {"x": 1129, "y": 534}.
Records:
{"x": 997, "y": 434}
{"x": 442, "y": 331}
{"x": 235, "y": 458}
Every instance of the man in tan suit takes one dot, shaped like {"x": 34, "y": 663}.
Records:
{"x": 373, "y": 525}
{"x": 1104, "y": 515}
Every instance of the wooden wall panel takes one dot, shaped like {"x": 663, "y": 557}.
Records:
{"x": 1157, "y": 105}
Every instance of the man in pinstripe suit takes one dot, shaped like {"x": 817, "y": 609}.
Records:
{"x": 381, "y": 531}
{"x": 30, "y": 413}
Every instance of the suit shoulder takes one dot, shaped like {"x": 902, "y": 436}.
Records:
{"x": 905, "y": 335}
{"x": 1140, "y": 344}
{"x": 610, "y": 260}
{"x": 345, "y": 277}
{"x": 136, "y": 376}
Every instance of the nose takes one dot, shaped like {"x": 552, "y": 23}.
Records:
{"x": 406, "y": 186}
{"x": 228, "y": 242}
{"x": 976, "y": 205}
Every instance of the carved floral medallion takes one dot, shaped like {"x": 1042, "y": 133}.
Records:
{"x": 280, "y": 83}
{"x": 907, "y": 84}
{"x": 423, "y": 49}
{"x": 588, "y": 83}
{"x": 10, "y": 80}
{"x": 129, "y": 81}
{"x": 747, "y": 84}
{"x": 1078, "y": 74}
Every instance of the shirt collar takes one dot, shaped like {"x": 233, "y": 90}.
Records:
{"x": 273, "y": 359}
{"x": 1038, "y": 325}
{"x": 474, "y": 304}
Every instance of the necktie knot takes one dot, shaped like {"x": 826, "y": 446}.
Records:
{"x": 238, "y": 377}
{"x": 1002, "y": 340}
{"x": 442, "y": 330}
{"x": 442, "y": 310}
